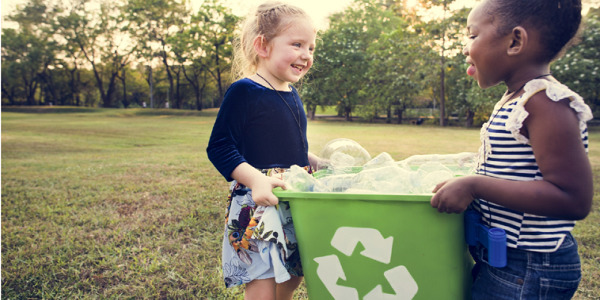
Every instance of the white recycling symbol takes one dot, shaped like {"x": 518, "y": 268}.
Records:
{"x": 377, "y": 248}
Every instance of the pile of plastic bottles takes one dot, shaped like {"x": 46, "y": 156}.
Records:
{"x": 351, "y": 169}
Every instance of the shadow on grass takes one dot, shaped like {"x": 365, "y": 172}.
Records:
{"x": 50, "y": 109}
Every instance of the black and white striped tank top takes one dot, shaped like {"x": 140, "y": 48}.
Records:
{"x": 507, "y": 154}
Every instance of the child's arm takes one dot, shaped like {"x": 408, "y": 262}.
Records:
{"x": 567, "y": 189}
{"x": 316, "y": 162}
{"x": 261, "y": 185}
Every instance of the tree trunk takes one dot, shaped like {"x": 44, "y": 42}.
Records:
{"x": 443, "y": 93}
{"x": 194, "y": 82}
{"x": 110, "y": 91}
{"x": 198, "y": 100}
{"x": 74, "y": 80}
{"x": 169, "y": 76}
{"x": 9, "y": 95}
{"x": 348, "y": 113}
{"x": 50, "y": 87}
{"x": 151, "y": 85}
{"x": 400, "y": 113}
{"x": 177, "y": 101}
{"x": 469, "y": 120}
{"x": 30, "y": 88}
{"x": 124, "y": 82}
{"x": 219, "y": 84}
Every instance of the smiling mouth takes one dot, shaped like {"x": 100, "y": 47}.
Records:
{"x": 298, "y": 67}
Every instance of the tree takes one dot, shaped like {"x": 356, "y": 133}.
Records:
{"x": 579, "y": 68}
{"x": 443, "y": 36}
{"x": 27, "y": 53}
{"x": 217, "y": 25}
{"x": 205, "y": 48}
{"x": 341, "y": 61}
{"x": 395, "y": 73}
{"x": 153, "y": 24}
{"x": 103, "y": 43}
{"x": 12, "y": 90}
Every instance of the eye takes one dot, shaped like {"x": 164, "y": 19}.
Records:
{"x": 298, "y": 45}
{"x": 469, "y": 34}
{"x": 468, "y": 39}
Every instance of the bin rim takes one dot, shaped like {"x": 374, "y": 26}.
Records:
{"x": 293, "y": 195}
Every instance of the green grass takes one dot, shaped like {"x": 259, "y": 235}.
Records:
{"x": 100, "y": 203}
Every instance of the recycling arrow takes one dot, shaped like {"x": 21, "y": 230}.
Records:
{"x": 329, "y": 270}
{"x": 376, "y": 247}
{"x": 401, "y": 281}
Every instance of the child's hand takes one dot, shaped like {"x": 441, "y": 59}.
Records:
{"x": 317, "y": 163}
{"x": 452, "y": 196}
{"x": 262, "y": 192}
{"x": 321, "y": 164}
{"x": 261, "y": 185}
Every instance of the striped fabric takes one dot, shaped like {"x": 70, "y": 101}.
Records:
{"x": 505, "y": 157}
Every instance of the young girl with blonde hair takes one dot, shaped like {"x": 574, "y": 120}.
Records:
{"x": 260, "y": 131}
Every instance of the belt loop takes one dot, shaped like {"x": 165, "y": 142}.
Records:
{"x": 482, "y": 252}
{"x": 546, "y": 258}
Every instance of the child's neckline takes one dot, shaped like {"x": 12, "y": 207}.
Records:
{"x": 512, "y": 95}
{"x": 268, "y": 87}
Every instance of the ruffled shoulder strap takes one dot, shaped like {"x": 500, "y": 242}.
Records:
{"x": 555, "y": 91}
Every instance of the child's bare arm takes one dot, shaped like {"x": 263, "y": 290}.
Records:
{"x": 555, "y": 136}
{"x": 261, "y": 185}
{"x": 567, "y": 189}
{"x": 316, "y": 162}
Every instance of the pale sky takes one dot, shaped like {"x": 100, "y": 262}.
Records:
{"x": 318, "y": 9}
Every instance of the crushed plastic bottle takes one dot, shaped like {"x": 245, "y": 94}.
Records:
{"x": 380, "y": 160}
{"x": 351, "y": 170}
{"x": 298, "y": 179}
{"x": 348, "y": 147}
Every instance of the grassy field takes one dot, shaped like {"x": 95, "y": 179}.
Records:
{"x": 114, "y": 204}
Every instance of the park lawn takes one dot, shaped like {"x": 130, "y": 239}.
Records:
{"x": 123, "y": 203}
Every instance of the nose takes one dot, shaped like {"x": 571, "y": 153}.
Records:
{"x": 466, "y": 47}
{"x": 307, "y": 54}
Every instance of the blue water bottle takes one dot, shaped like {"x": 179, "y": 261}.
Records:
{"x": 493, "y": 239}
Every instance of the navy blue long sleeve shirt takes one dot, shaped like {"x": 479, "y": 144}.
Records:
{"x": 256, "y": 126}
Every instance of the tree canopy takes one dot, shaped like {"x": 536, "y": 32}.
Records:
{"x": 377, "y": 60}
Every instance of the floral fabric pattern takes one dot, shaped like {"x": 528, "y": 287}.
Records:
{"x": 258, "y": 240}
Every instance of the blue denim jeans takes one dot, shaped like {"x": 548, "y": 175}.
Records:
{"x": 528, "y": 275}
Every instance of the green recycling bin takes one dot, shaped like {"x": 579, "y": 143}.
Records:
{"x": 379, "y": 246}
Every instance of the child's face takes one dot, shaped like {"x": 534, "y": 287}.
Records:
{"x": 291, "y": 52}
{"x": 485, "y": 50}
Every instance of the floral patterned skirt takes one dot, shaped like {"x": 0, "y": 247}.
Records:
{"x": 259, "y": 241}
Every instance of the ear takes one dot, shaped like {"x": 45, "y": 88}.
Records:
{"x": 261, "y": 46}
{"x": 518, "y": 41}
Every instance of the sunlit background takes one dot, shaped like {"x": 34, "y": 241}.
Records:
{"x": 318, "y": 9}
